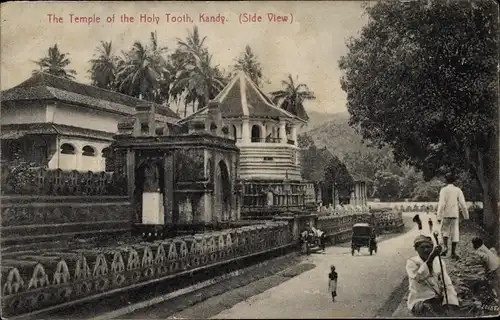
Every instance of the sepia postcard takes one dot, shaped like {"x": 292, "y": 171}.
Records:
{"x": 249, "y": 159}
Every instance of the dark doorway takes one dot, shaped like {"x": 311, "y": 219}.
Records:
{"x": 255, "y": 133}
{"x": 222, "y": 192}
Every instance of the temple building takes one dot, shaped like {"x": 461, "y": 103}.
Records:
{"x": 242, "y": 149}
{"x": 63, "y": 124}
{"x": 269, "y": 162}
{"x": 176, "y": 177}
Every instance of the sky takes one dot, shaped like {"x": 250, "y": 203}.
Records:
{"x": 308, "y": 47}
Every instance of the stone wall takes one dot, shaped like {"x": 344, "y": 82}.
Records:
{"x": 41, "y": 181}
{"x": 411, "y": 206}
{"x": 339, "y": 227}
{"x": 31, "y": 218}
{"x": 33, "y": 282}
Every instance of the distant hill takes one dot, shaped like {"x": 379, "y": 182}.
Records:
{"x": 336, "y": 135}
{"x": 316, "y": 119}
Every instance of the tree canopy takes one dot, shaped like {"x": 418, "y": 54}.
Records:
{"x": 292, "y": 97}
{"x": 320, "y": 165}
{"x": 422, "y": 78}
{"x": 248, "y": 63}
{"x": 55, "y": 63}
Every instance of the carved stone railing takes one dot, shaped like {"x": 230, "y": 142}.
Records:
{"x": 338, "y": 227}
{"x": 65, "y": 183}
{"x": 32, "y": 282}
{"x": 346, "y": 210}
{"x": 412, "y": 206}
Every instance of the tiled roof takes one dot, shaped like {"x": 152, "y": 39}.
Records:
{"x": 242, "y": 97}
{"x": 43, "y": 86}
{"x": 15, "y": 131}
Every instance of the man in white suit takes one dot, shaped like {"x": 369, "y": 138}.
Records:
{"x": 451, "y": 199}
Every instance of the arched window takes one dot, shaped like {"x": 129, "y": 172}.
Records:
{"x": 255, "y": 133}
{"x": 235, "y": 133}
{"x": 66, "y": 148}
{"x": 88, "y": 151}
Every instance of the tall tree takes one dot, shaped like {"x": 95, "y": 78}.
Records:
{"x": 197, "y": 80}
{"x": 55, "y": 63}
{"x": 143, "y": 71}
{"x": 292, "y": 96}
{"x": 248, "y": 63}
{"x": 387, "y": 185}
{"x": 193, "y": 45}
{"x": 423, "y": 78}
{"x": 103, "y": 67}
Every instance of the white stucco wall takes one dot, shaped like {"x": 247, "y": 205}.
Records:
{"x": 86, "y": 118}
{"x": 35, "y": 112}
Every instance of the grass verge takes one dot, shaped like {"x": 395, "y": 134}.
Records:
{"x": 467, "y": 276}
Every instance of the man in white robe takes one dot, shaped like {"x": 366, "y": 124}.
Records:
{"x": 427, "y": 296}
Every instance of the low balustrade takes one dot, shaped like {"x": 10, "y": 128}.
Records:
{"x": 265, "y": 140}
{"x": 338, "y": 227}
{"x": 33, "y": 282}
{"x": 345, "y": 210}
{"x": 42, "y": 181}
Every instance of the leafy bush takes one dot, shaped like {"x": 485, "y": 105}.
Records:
{"x": 20, "y": 176}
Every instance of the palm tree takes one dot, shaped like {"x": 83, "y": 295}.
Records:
{"x": 248, "y": 63}
{"x": 199, "y": 81}
{"x": 196, "y": 81}
{"x": 143, "y": 71}
{"x": 193, "y": 45}
{"x": 55, "y": 63}
{"x": 291, "y": 98}
{"x": 103, "y": 67}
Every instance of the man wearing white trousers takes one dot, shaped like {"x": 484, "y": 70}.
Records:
{"x": 451, "y": 199}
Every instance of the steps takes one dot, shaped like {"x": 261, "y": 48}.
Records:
{"x": 272, "y": 161}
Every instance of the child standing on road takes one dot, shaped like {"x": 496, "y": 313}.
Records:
{"x": 332, "y": 282}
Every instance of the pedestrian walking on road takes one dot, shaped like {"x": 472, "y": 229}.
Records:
{"x": 451, "y": 199}
{"x": 431, "y": 224}
{"x": 332, "y": 282}
{"x": 417, "y": 220}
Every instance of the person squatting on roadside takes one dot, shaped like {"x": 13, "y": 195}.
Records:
{"x": 426, "y": 295}
{"x": 490, "y": 262}
{"x": 451, "y": 198}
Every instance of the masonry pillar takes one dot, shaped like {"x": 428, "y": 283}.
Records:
{"x": 131, "y": 173}
{"x": 356, "y": 192}
{"x": 245, "y": 131}
{"x": 168, "y": 193}
{"x": 264, "y": 132}
{"x": 283, "y": 136}
{"x": 294, "y": 134}
{"x": 78, "y": 158}
{"x": 214, "y": 213}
